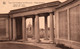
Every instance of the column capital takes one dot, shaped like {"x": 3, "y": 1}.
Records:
{"x": 51, "y": 13}
{"x": 24, "y": 17}
{"x": 37, "y": 15}
{"x": 45, "y": 16}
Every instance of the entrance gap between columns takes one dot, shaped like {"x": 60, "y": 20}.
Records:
{"x": 19, "y": 29}
{"x": 29, "y": 30}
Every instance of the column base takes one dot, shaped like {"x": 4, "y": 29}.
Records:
{"x": 14, "y": 39}
{"x": 10, "y": 39}
{"x": 24, "y": 40}
{"x": 33, "y": 38}
{"x": 37, "y": 41}
{"x": 52, "y": 42}
{"x": 46, "y": 39}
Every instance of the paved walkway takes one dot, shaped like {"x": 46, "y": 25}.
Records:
{"x": 30, "y": 45}
{"x": 25, "y": 45}
{"x": 45, "y": 46}
{"x": 20, "y": 45}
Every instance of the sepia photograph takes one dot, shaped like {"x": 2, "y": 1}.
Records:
{"x": 39, "y": 24}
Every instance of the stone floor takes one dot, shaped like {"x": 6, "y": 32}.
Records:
{"x": 45, "y": 46}
{"x": 19, "y": 45}
{"x": 25, "y": 45}
{"x": 31, "y": 45}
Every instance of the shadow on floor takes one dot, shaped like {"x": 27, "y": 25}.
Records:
{"x": 62, "y": 46}
{"x": 17, "y": 46}
{"x": 4, "y": 40}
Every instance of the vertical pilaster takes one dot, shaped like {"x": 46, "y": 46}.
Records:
{"x": 7, "y": 28}
{"x": 10, "y": 30}
{"x": 51, "y": 28}
{"x": 24, "y": 28}
{"x": 37, "y": 35}
{"x": 14, "y": 29}
{"x": 46, "y": 29}
{"x": 68, "y": 24}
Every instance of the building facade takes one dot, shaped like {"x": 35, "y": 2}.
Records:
{"x": 65, "y": 22}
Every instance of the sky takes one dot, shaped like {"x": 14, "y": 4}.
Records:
{"x": 7, "y": 5}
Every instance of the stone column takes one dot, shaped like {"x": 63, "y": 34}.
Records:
{"x": 33, "y": 28}
{"x": 24, "y": 28}
{"x": 14, "y": 29}
{"x": 10, "y": 25}
{"x": 46, "y": 29}
{"x": 51, "y": 28}
{"x": 37, "y": 35}
{"x": 7, "y": 28}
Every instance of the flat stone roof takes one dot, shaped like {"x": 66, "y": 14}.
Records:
{"x": 4, "y": 15}
{"x": 56, "y": 4}
{"x": 50, "y": 4}
{"x": 66, "y": 3}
